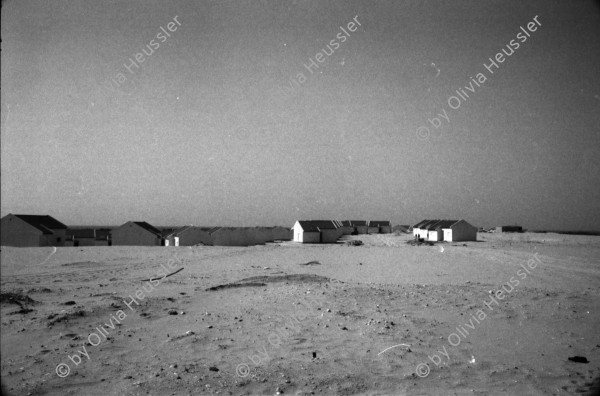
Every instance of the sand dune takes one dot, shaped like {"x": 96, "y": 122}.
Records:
{"x": 365, "y": 320}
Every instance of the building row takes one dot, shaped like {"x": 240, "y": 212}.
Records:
{"x": 34, "y": 230}
{"x": 329, "y": 231}
{"x": 445, "y": 230}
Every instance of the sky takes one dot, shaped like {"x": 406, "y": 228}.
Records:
{"x": 243, "y": 115}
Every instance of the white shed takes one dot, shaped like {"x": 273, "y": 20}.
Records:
{"x": 316, "y": 231}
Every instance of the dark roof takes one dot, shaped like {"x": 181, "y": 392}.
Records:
{"x": 443, "y": 224}
{"x": 148, "y": 227}
{"x": 358, "y": 222}
{"x": 428, "y": 224}
{"x": 213, "y": 230}
{"x": 422, "y": 222}
{"x": 82, "y": 232}
{"x": 346, "y": 223}
{"x": 379, "y": 223}
{"x": 43, "y": 223}
{"x": 317, "y": 225}
{"x": 174, "y": 231}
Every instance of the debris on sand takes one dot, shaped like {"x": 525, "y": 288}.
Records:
{"x": 19, "y": 299}
{"x": 579, "y": 359}
{"x": 234, "y": 285}
{"x": 163, "y": 277}
{"x": 16, "y": 298}
{"x": 314, "y": 262}
{"x": 419, "y": 242}
{"x": 356, "y": 242}
{"x": 55, "y": 318}
{"x": 264, "y": 279}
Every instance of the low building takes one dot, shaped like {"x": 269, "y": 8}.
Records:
{"x": 103, "y": 237}
{"x": 347, "y": 228}
{"x": 459, "y": 231}
{"x": 189, "y": 236}
{"x": 137, "y": 233}
{"x": 278, "y": 234}
{"x": 360, "y": 226}
{"x": 509, "y": 229}
{"x": 316, "y": 231}
{"x": 31, "y": 231}
{"x": 81, "y": 237}
{"x": 402, "y": 228}
{"x": 435, "y": 230}
{"x": 383, "y": 226}
{"x": 421, "y": 229}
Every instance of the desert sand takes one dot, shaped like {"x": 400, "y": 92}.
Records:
{"x": 381, "y": 318}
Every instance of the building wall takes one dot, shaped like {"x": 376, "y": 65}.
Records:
{"x": 194, "y": 236}
{"x": 362, "y": 229}
{"x": 422, "y": 233}
{"x": 130, "y": 234}
{"x": 16, "y": 232}
{"x": 85, "y": 242}
{"x": 373, "y": 230}
{"x": 347, "y": 230}
{"x": 233, "y": 237}
{"x": 281, "y": 234}
{"x": 297, "y": 232}
{"x": 385, "y": 229}
{"x": 310, "y": 237}
{"x": 329, "y": 236}
{"x": 461, "y": 231}
{"x": 435, "y": 235}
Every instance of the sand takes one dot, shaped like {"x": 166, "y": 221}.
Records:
{"x": 381, "y": 318}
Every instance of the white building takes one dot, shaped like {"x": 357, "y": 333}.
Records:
{"x": 316, "y": 231}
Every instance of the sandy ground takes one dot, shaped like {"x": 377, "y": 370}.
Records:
{"x": 382, "y": 318}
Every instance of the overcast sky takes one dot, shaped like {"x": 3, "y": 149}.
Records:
{"x": 222, "y": 123}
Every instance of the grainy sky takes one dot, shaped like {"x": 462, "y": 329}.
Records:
{"x": 222, "y": 124}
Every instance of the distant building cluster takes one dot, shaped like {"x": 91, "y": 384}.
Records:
{"x": 445, "y": 230}
{"x": 38, "y": 231}
{"x": 329, "y": 231}
{"x": 35, "y": 230}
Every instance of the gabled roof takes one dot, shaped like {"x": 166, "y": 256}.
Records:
{"x": 148, "y": 227}
{"x": 317, "y": 225}
{"x": 422, "y": 222}
{"x": 358, "y": 222}
{"x": 443, "y": 224}
{"x": 430, "y": 225}
{"x": 43, "y": 223}
{"x": 175, "y": 231}
{"x": 379, "y": 223}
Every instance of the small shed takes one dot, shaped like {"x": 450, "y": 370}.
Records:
{"x": 316, "y": 231}
{"x": 347, "y": 228}
{"x": 103, "y": 237}
{"x": 31, "y": 231}
{"x": 137, "y": 233}
{"x": 459, "y": 231}
{"x": 383, "y": 226}
{"x": 360, "y": 226}
{"x": 81, "y": 237}
{"x": 509, "y": 229}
